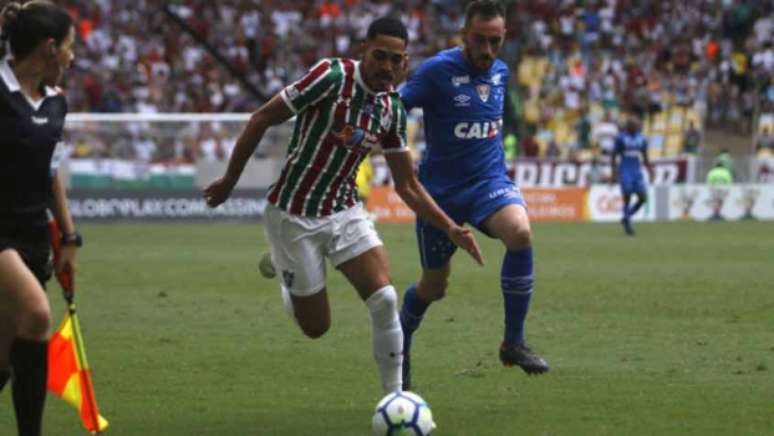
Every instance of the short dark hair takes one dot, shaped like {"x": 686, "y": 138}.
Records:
{"x": 387, "y": 26}
{"x": 24, "y": 27}
{"x": 486, "y": 9}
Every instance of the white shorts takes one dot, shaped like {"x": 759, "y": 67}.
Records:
{"x": 299, "y": 245}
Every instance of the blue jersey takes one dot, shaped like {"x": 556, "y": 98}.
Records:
{"x": 463, "y": 111}
{"x": 630, "y": 146}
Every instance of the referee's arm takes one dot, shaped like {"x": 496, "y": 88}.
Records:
{"x": 59, "y": 207}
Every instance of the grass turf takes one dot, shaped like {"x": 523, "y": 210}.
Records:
{"x": 670, "y": 332}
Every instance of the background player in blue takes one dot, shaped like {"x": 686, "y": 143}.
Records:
{"x": 462, "y": 92}
{"x": 630, "y": 145}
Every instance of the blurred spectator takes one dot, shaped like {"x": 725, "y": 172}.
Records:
{"x": 583, "y": 131}
{"x": 725, "y": 160}
{"x": 765, "y": 140}
{"x": 509, "y": 145}
{"x": 710, "y": 58}
{"x": 719, "y": 175}
{"x": 529, "y": 147}
{"x": 605, "y": 132}
{"x": 553, "y": 151}
{"x": 691, "y": 139}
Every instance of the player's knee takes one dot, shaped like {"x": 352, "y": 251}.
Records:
{"x": 35, "y": 321}
{"x": 519, "y": 239}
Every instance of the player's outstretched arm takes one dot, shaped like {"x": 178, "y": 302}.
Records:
{"x": 275, "y": 111}
{"x": 416, "y": 197}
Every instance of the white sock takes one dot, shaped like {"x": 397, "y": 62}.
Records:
{"x": 388, "y": 337}
{"x": 288, "y": 303}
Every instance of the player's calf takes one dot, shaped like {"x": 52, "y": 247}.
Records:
{"x": 387, "y": 336}
{"x": 312, "y": 313}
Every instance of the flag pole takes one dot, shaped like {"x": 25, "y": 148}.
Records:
{"x": 66, "y": 279}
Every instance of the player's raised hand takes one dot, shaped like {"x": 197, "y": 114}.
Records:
{"x": 465, "y": 239}
{"x": 218, "y": 191}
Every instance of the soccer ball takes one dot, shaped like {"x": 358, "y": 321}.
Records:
{"x": 402, "y": 413}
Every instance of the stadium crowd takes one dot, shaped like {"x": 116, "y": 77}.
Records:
{"x": 578, "y": 65}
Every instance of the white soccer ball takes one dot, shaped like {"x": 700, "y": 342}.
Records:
{"x": 402, "y": 413}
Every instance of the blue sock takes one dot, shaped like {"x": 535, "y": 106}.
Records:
{"x": 411, "y": 314}
{"x": 516, "y": 280}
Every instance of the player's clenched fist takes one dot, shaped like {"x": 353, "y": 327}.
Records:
{"x": 218, "y": 191}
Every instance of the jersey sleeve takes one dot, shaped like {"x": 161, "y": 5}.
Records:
{"x": 416, "y": 91}
{"x": 395, "y": 140}
{"x": 619, "y": 145}
{"x": 314, "y": 86}
{"x": 61, "y": 149}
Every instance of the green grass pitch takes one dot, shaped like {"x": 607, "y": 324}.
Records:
{"x": 670, "y": 332}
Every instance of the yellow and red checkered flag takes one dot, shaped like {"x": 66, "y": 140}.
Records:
{"x": 69, "y": 375}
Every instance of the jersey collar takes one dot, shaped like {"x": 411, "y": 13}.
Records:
{"x": 12, "y": 83}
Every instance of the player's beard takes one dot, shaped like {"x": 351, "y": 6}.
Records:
{"x": 480, "y": 63}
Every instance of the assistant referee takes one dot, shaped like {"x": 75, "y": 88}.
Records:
{"x": 35, "y": 48}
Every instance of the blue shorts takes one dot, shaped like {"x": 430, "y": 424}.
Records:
{"x": 472, "y": 205}
{"x": 632, "y": 183}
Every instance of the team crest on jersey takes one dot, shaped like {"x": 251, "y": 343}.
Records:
{"x": 460, "y": 80}
{"x": 496, "y": 79}
{"x": 483, "y": 92}
{"x": 350, "y": 136}
{"x": 355, "y": 138}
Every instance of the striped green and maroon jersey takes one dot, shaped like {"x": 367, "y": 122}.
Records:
{"x": 339, "y": 121}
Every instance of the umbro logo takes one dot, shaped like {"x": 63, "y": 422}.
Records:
{"x": 39, "y": 120}
{"x": 462, "y": 100}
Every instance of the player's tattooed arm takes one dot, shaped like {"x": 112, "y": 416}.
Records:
{"x": 416, "y": 197}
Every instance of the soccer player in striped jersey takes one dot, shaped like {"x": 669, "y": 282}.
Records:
{"x": 32, "y": 115}
{"x": 462, "y": 93}
{"x": 630, "y": 145}
{"x": 344, "y": 109}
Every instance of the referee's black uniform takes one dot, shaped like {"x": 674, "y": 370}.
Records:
{"x": 29, "y": 134}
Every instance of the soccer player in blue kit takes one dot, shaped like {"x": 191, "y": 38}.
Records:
{"x": 462, "y": 94}
{"x": 630, "y": 145}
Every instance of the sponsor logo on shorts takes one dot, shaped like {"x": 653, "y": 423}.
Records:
{"x": 509, "y": 192}
{"x": 287, "y": 277}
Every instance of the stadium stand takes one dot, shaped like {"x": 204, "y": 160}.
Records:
{"x": 680, "y": 66}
